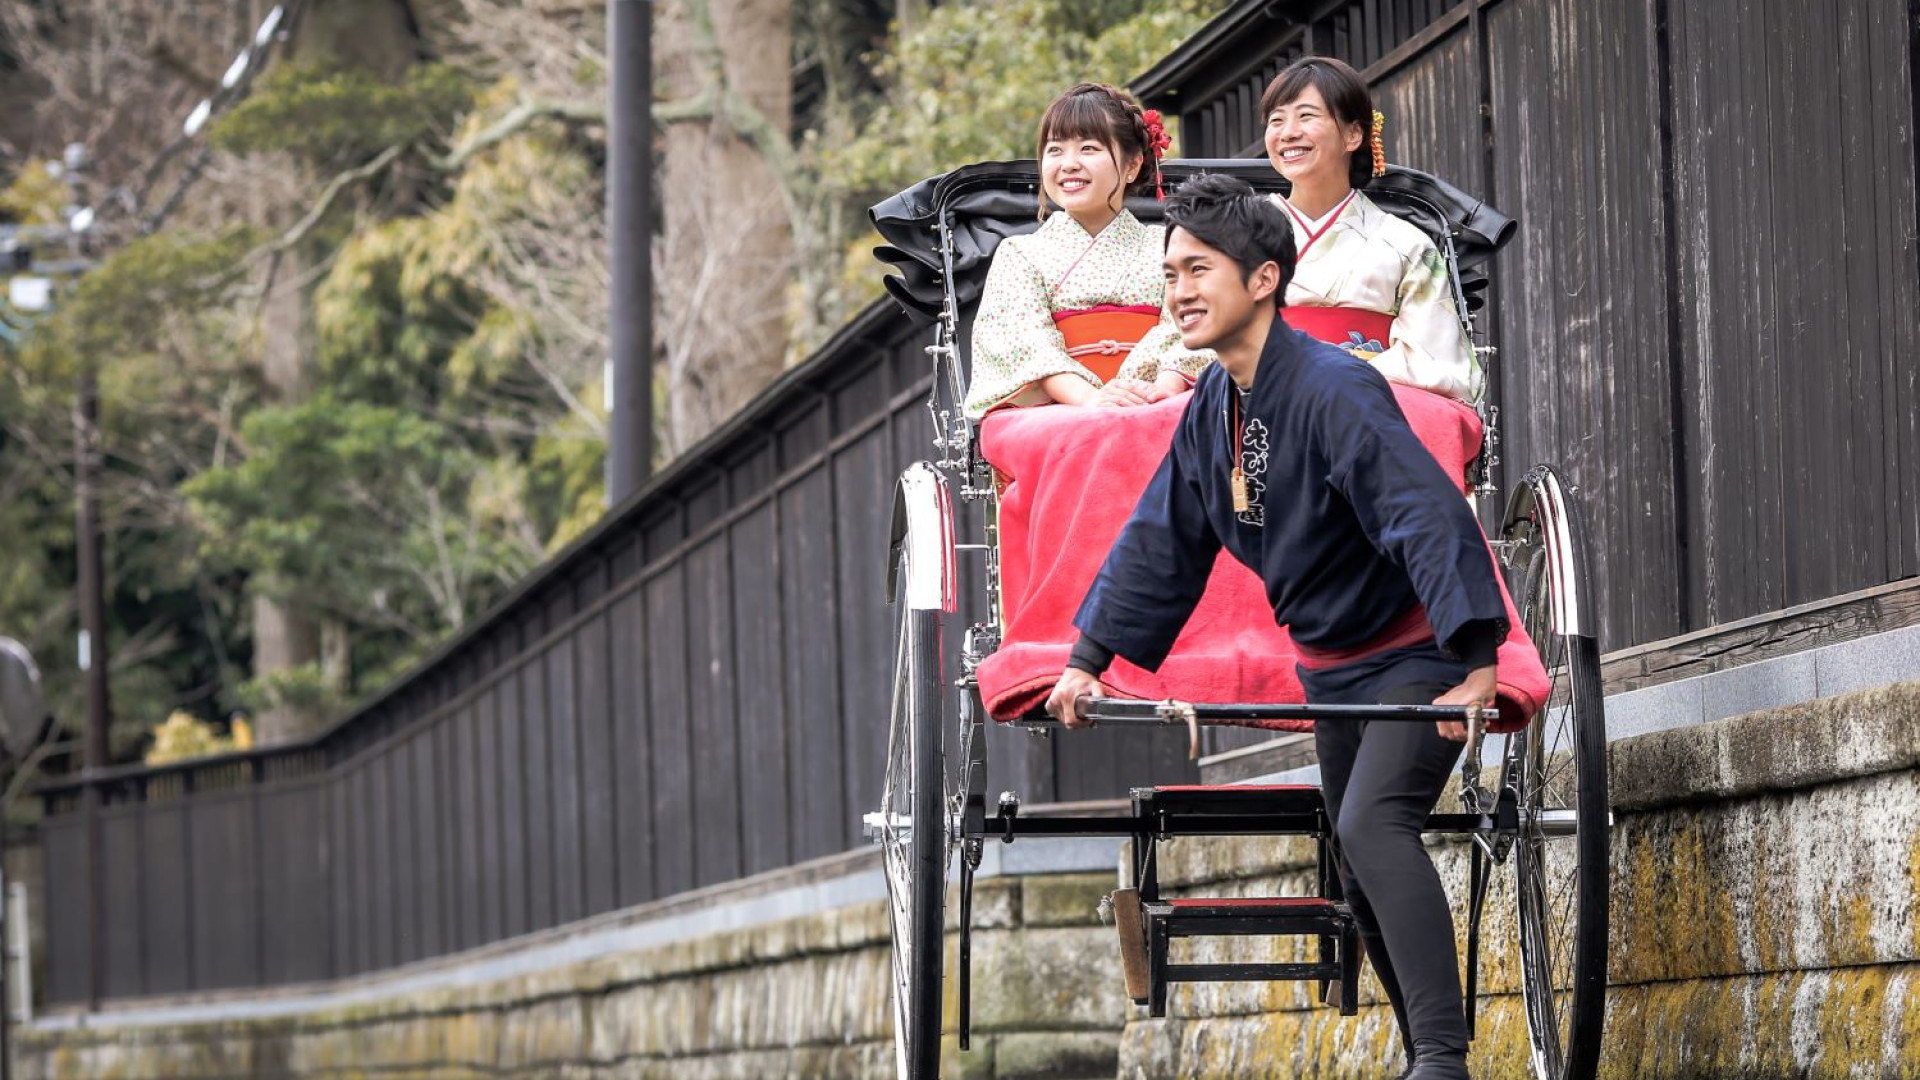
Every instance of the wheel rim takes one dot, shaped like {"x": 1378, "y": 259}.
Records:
{"x": 914, "y": 862}
{"x": 1552, "y": 790}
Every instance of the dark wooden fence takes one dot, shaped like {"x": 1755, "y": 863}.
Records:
{"x": 695, "y": 692}
{"x": 1708, "y": 322}
{"x": 1709, "y": 318}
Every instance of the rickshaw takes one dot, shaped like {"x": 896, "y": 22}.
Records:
{"x": 1539, "y": 806}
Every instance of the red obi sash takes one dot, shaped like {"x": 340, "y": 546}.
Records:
{"x": 1338, "y": 325}
{"x": 1411, "y": 628}
{"x": 1101, "y": 337}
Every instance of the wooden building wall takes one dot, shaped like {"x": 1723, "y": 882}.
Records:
{"x": 1709, "y": 318}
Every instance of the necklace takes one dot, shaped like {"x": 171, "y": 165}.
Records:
{"x": 1236, "y": 427}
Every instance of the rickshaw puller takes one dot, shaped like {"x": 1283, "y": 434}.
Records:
{"x": 1294, "y": 457}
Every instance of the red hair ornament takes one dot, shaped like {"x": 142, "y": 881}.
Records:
{"x": 1157, "y": 143}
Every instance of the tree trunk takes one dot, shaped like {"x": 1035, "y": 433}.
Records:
{"x": 284, "y": 637}
{"x": 725, "y": 259}
{"x": 378, "y": 35}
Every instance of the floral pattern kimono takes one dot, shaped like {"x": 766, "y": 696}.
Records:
{"x": 1060, "y": 301}
{"x": 1377, "y": 287}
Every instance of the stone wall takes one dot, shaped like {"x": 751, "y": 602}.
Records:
{"x": 1765, "y": 869}
{"x": 802, "y": 997}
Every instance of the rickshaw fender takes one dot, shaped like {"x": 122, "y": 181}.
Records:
{"x": 921, "y": 541}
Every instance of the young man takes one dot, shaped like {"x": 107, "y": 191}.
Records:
{"x": 1295, "y": 458}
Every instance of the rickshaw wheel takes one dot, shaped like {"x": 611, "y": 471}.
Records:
{"x": 913, "y": 823}
{"x": 1558, "y": 773}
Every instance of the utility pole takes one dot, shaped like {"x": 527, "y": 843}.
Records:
{"x": 630, "y": 235}
{"x": 93, "y": 661}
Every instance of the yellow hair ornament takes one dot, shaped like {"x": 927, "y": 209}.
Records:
{"x": 1379, "y": 148}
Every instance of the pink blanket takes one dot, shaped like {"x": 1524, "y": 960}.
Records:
{"x": 1071, "y": 478}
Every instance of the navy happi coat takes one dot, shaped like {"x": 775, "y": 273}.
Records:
{"x": 1351, "y": 522}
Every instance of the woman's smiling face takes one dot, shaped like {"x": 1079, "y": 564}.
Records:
{"x": 1305, "y": 141}
{"x": 1083, "y": 178}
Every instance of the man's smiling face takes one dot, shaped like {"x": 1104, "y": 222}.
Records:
{"x": 1207, "y": 294}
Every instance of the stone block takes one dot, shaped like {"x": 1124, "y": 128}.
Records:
{"x": 1815, "y": 742}
{"x": 1064, "y": 900}
{"x": 1062, "y": 978}
{"x": 1192, "y": 858}
{"x": 1056, "y": 1055}
{"x": 1656, "y": 708}
{"x": 1867, "y": 662}
{"x": 1767, "y": 684}
{"x": 996, "y": 903}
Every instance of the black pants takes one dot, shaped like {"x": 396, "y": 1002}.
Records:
{"x": 1381, "y": 780}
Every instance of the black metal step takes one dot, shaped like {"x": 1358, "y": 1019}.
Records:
{"x": 1231, "y": 809}
{"x": 1274, "y": 916}
{"x": 1230, "y": 798}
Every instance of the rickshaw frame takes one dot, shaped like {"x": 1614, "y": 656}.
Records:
{"x": 931, "y": 811}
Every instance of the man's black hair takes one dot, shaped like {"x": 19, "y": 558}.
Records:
{"x": 1224, "y": 213}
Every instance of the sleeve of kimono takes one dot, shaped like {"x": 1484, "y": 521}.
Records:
{"x": 1015, "y": 343}
{"x": 1427, "y": 348}
{"x": 1413, "y": 514}
{"x": 1161, "y": 350}
{"x": 1153, "y": 577}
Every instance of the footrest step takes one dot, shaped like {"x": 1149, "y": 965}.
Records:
{"x": 1254, "y": 906}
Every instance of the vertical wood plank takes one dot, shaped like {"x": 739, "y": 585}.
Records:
{"x": 766, "y": 806}
{"x": 717, "y": 813}
{"x": 565, "y": 840}
{"x": 599, "y": 849}
{"x": 809, "y": 611}
{"x": 669, "y": 734}
{"x": 633, "y": 794}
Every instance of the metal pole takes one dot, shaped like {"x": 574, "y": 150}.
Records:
{"x": 6, "y": 969}
{"x": 629, "y": 233}
{"x": 93, "y": 659}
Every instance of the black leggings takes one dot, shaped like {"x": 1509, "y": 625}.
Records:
{"x": 1381, "y": 780}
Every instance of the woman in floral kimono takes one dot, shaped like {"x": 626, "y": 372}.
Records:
{"x": 1366, "y": 280}
{"x": 1073, "y": 313}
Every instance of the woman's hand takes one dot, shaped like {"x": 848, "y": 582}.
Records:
{"x": 1068, "y": 388}
{"x": 1127, "y": 392}
{"x": 1480, "y": 688}
{"x": 1172, "y": 382}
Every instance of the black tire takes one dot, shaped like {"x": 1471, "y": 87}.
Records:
{"x": 1557, "y": 770}
{"x": 916, "y": 844}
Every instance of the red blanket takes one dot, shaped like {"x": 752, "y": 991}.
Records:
{"x": 1072, "y": 477}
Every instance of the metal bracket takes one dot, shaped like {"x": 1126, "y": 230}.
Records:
{"x": 1182, "y": 712}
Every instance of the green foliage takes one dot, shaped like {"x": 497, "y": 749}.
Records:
{"x": 151, "y": 320}
{"x": 566, "y": 479}
{"x": 327, "y": 115}
{"x": 359, "y": 511}
{"x": 128, "y": 304}
{"x": 456, "y": 438}
{"x": 34, "y": 197}
{"x": 969, "y": 84}
{"x": 391, "y": 314}
{"x": 303, "y": 687}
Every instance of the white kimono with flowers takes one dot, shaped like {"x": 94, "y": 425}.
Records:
{"x": 1061, "y": 268}
{"x": 1360, "y": 256}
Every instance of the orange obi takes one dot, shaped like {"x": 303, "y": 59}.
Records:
{"x": 1360, "y": 331}
{"x": 1101, "y": 337}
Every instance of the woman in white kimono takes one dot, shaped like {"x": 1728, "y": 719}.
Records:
{"x": 1074, "y": 312}
{"x": 1366, "y": 280}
